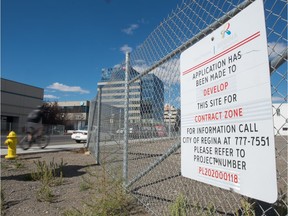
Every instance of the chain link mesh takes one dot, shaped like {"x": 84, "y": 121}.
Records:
{"x": 153, "y": 121}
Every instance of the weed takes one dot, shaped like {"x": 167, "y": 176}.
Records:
{"x": 247, "y": 209}
{"x": 84, "y": 186}
{"x": 86, "y": 183}
{"x": 58, "y": 181}
{"x": 280, "y": 205}
{"x": 76, "y": 212}
{"x": 43, "y": 173}
{"x": 109, "y": 197}
{"x": 179, "y": 207}
{"x": 72, "y": 212}
{"x": 13, "y": 164}
{"x": 18, "y": 164}
{"x": 197, "y": 207}
{"x": 112, "y": 198}
{"x": 45, "y": 194}
{"x": 211, "y": 210}
{"x": 47, "y": 173}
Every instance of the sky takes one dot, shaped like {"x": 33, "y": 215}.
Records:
{"x": 62, "y": 45}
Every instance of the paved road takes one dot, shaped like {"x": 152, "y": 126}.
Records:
{"x": 57, "y": 143}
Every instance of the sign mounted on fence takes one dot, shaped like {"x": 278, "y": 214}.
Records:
{"x": 227, "y": 137}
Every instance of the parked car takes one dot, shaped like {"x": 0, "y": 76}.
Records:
{"x": 120, "y": 131}
{"x": 141, "y": 132}
{"x": 80, "y": 135}
{"x": 144, "y": 132}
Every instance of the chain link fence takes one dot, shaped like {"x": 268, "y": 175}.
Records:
{"x": 134, "y": 122}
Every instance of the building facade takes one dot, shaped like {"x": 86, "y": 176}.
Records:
{"x": 171, "y": 117}
{"x": 76, "y": 113}
{"x": 146, "y": 95}
{"x": 112, "y": 88}
{"x": 17, "y": 101}
{"x": 171, "y": 114}
{"x": 152, "y": 99}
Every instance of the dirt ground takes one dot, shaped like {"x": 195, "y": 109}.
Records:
{"x": 22, "y": 195}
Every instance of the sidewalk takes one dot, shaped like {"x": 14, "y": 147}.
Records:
{"x": 49, "y": 148}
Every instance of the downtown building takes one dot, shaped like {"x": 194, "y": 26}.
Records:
{"x": 146, "y": 97}
{"x": 172, "y": 117}
{"x": 76, "y": 113}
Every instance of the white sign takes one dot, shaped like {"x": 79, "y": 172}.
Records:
{"x": 226, "y": 111}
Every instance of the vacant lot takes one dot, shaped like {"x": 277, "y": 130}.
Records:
{"x": 61, "y": 183}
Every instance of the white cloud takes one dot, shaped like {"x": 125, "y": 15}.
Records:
{"x": 130, "y": 29}
{"x": 277, "y": 99}
{"x": 275, "y": 49}
{"x": 65, "y": 88}
{"x": 117, "y": 66}
{"x": 50, "y": 97}
{"x": 167, "y": 72}
{"x": 125, "y": 48}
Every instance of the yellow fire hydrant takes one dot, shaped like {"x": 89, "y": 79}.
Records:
{"x": 11, "y": 141}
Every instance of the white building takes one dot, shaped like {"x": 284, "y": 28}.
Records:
{"x": 76, "y": 113}
{"x": 171, "y": 115}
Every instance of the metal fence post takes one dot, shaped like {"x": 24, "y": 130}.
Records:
{"x": 97, "y": 146}
{"x": 126, "y": 108}
{"x": 91, "y": 131}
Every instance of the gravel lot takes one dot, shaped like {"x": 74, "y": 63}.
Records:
{"x": 23, "y": 195}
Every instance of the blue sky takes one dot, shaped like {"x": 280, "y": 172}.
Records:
{"x": 62, "y": 45}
